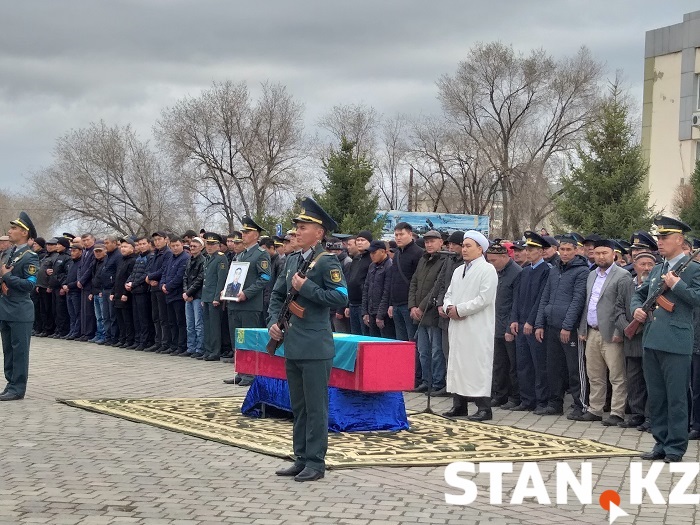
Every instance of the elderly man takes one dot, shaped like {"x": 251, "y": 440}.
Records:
{"x": 668, "y": 342}
{"x": 470, "y": 303}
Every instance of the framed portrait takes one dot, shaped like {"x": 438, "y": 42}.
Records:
{"x": 234, "y": 280}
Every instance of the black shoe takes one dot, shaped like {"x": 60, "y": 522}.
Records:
{"x": 183, "y": 353}
{"x": 653, "y": 456}
{"x": 645, "y": 427}
{"x": 152, "y": 348}
{"x": 290, "y": 471}
{"x": 460, "y": 407}
{"x": 211, "y": 358}
{"x": 552, "y": 411}
{"x": 612, "y": 421}
{"x": 245, "y": 382}
{"x": 195, "y": 355}
{"x": 632, "y": 422}
{"x": 522, "y": 407}
{"x": 201, "y": 357}
{"x": 588, "y": 417}
{"x": 576, "y": 413}
{"x": 226, "y": 359}
{"x": 308, "y": 474}
{"x": 132, "y": 346}
{"x": 539, "y": 411}
{"x": 83, "y": 339}
{"x": 497, "y": 403}
{"x": 510, "y": 405}
{"x": 421, "y": 388}
{"x": 139, "y": 348}
{"x": 482, "y": 415}
{"x": 9, "y": 396}
{"x": 70, "y": 338}
{"x": 42, "y": 334}
{"x": 232, "y": 381}
{"x": 694, "y": 434}
{"x": 673, "y": 458}
{"x": 442, "y": 392}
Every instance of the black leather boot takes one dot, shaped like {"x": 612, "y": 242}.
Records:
{"x": 459, "y": 407}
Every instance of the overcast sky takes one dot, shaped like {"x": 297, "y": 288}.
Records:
{"x": 64, "y": 64}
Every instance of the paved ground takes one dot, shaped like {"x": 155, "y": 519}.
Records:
{"x": 61, "y": 465}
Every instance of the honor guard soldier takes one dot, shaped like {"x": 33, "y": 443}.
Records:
{"x": 17, "y": 279}
{"x": 215, "y": 271}
{"x": 668, "y": 341}
{"x": 247, "y": 310}
{"x": 308, "y": 341}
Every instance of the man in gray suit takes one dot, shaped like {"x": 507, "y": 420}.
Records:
{"x": 604, "y": 351}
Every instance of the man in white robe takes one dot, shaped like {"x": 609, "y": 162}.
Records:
{"x": 470, "y": 303}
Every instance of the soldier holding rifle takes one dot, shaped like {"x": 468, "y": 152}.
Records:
{"x": 308, "y": 337}
{"x": 668, "y": 340}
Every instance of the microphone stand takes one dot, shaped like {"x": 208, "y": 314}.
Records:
{"x": 431, "y": 304}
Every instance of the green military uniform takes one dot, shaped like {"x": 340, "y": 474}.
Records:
{"x": 17, "y": 312}
{"x": 215, "y": 271}
{"x": 308, "y": 344}
{"x": 668, "y": 347}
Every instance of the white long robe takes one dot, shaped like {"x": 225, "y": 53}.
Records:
{"x": 470, "y": 364}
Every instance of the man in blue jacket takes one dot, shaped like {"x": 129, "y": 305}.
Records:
{"x": 557, "y": 321}
{"x": 88, "y": 322}
{"x": 530, "y": 354}
{"x": 171, "y": 286}
{"x": 109, "y": 314}
{"x": 155, "y": 273}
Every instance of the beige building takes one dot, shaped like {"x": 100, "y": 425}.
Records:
{"x": 671, "y": 112}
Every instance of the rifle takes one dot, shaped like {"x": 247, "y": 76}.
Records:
{"x": 289, "y": 307}
{"x": 657, "y": 298}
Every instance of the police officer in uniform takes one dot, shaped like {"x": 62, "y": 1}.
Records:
{"x": 668, "y": 342}
{"x": 215, "y": 270}
{"x": 17, "y": 279}
{"x": 308, "y": 343}
{"x": 247, "y": 311}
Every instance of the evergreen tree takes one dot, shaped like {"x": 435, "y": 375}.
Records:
{"x": 690, "y": 214}
{"x": 604, "y": 193}
{"x": 348, "y": 196}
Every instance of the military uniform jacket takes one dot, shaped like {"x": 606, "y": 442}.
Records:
{"x": 60, "y": 269}
{"x": 670, "y": 332}
{"x": 215, "y": 270}
{"x": 255, "y": 280}
{"x": 16, "y": 305}
{"x": 325, "y": 288}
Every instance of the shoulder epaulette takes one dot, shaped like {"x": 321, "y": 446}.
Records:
{"x": 222, "y": 253}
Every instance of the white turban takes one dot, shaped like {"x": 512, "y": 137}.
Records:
{"x": 478, "y": 237}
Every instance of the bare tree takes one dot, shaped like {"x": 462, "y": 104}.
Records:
{"x": 106, "y": 179}
{"x": 44, "y": 214}
{"x": 358, "y": 124}
{"x": 392, "y": 163}
{"x": 239, "y": 156}
{"x": 520, "y": 112}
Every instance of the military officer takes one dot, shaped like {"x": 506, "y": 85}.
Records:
{"x": 215, "y": 270}
{"x": 18, "y": 278}
{"x": 668, "y": 342}
{"x": 247, "y": 310}
{"x": 308, "y": 342}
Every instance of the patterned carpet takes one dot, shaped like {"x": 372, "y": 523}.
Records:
{"x": 432, "y": 440}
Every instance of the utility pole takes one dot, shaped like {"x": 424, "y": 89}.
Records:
{"x": 410, "y": 190}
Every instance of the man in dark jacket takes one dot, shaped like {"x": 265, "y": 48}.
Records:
{"x": 505, "y": 391}
{"x": 88, "y": 323}
{"x": 422, "y": 298}
{"x": 38, "y": 246}
{"x": 122, "y": 298}
{"x": 155, "y": 274}
{"x": 109, "y": 314}
{"x": 57, "y": 276}
{"x": 276, "y": 267}
{"x": 557, "y": 321}
{"x": 356, "y": 280}
{"x": 192, "y": 294}
{"x": 375, "y": 293}
{"x": 335, "y": 246}
{"x": 405, "y": 262}
{"x": 136, "y": 284}
{"x": 531, "y": 355}
{"x": 97, "y": 296}
{"x": 72, "y": 292}
{"x": 215, "y": 272}
{"x": 452, "y": 261}
{"x": 43, "y": 290}
{"x": 172, "y": 287}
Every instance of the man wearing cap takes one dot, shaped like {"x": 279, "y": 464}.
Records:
{"x": 172, "y": 286}
{"x": 276, "y": 268}
{"x": 88, "y": 323}
{"x": 18, "y": 271}
{"x": 375, "y": 293}
{"x": 640, "y": 241}
{"x": 356, "y": 279}
{"x": 72, "y": 292}
{"x": 505, "y": 391}
{"x": 247, "y": 310}
{"x": 215, "y": 271}
{"x": 604, "y": 351}
{"x": 308, "y": 341}
{"x": 589, "y": 248}
{"x": 192, "y": 295}
{"x": 98, "y": 296}
{"x": 531, "y": 354}
{"x": 122, "y": 298}
{"x": 668, "y": 342}
{"x": 141, "y": 295}
{"x": 551, "y": 256}
{"x": 451, "y": 261}
{"x": 520, "y": 254}
{"x": 422, "y": 304}
{"x": 109, "y": 314}
{"x": 470, "y": 303}
{"x": 161, "y": 256}
{"x": 47, "y": 323}
{"x": 643, "y": 263}
{"x": 557, "y": 323}
{"x": 57, "y": 276}
{"x": 4, "y": 245}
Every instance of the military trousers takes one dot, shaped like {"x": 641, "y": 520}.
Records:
{"x": 308, "y": 392}
{"x": 212, "y": 329}
{"x": 15, "y": 349}
{"x": 504, "y": 382}
{"x": 667, "y": 376}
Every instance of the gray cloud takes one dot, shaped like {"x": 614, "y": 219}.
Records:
{"x": 65, "y": 64}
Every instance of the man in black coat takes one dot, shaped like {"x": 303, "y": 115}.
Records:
{"x": 356, "y": 279}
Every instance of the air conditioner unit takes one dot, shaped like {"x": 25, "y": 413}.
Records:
{"x": 696, "y": 119}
